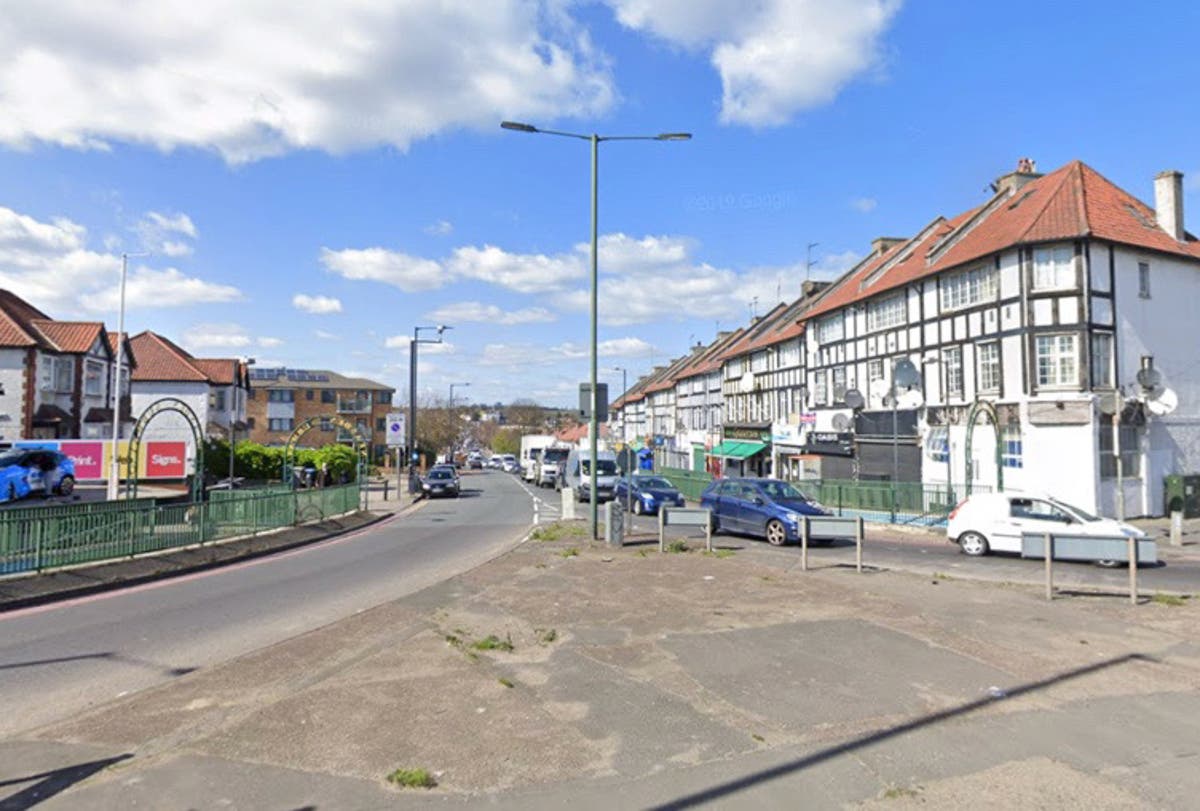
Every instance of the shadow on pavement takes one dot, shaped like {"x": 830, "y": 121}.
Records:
{"x": 111, "y": 656}
{"x": 733, "y": 786}
{"x": 52, "y": 782}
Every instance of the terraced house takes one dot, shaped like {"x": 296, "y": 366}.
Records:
{"x": 1042, "y": 333}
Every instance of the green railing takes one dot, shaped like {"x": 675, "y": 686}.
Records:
{"x": 900, "y": 503}
{"x": 40, "y": 538}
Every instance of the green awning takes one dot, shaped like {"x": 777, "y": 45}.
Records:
{"x": 738, "y": 449}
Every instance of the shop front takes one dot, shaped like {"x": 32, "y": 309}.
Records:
{"x": 744, "y": 451}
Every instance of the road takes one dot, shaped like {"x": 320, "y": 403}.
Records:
{"x": 60, "y": 658}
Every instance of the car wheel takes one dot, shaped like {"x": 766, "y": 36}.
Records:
{"x": 714, "y": 524}
{"x": 973, "y": 544}
{"x": 1110, "y": 564}
{"x": 776, "y": 532}
{"x": 67, "y": 485}
{"x": 638, "y": 509}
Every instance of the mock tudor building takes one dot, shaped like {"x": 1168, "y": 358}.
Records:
{"x": 1027, "y": 321}
{"x": 281, "y": 399}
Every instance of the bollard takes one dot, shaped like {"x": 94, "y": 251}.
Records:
{"x": 536, "y": 512}
{"x": 662, "y": 530}
{"x": 1176, "y": 528}
{"x": 804, "y": 543}
{"x": 385, "y": 489}
{"x": 858, "y": 539}
{"x": 1048, "y": 551}
{"x": 1133, "y": 570}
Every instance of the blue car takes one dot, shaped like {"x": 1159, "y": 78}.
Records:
{"x": 767, "y": 508}
{"x": 26, "y": 472}
{"x": 648, "y": 492}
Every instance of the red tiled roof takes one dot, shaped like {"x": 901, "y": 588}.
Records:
{"x": 161, "y": 360}
{"x": 76, "y": 337}
{"x": 219, "y": 370}
{"x": 15, "y": 315}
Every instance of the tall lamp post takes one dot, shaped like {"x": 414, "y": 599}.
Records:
{"x": 624, "y": 438}
{"x": 114, "y": 470}
{"x": 453, "y": 442}
{"x": 414, "y": 486}
{"x": 594, "y": 140}
{"x": 454, "y": 386}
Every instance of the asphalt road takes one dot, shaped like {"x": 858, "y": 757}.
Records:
{"x": 60, "y": 658}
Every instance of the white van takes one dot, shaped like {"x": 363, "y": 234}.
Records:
{"x": 549, "y": 463}
{"x": 576, "y": 473}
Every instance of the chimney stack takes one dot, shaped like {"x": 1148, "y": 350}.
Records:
{"x": 1168, "y": 202}
{"x": 1011, "y": 182}
{"x": 881, "y": 244}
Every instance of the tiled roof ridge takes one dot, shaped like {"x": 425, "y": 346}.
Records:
{"x": 1052, "y": 194}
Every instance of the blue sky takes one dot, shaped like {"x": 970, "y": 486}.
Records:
{"x": 309, "y": 189}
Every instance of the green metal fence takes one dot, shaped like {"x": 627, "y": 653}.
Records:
{"x": 36, "y": 538}
{"x": 899, "y": 503}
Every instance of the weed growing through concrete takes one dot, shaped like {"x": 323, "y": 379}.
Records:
{"x": 719, "y": 553}
{"x": 453, "y": 641}
{"x": 1168, "y": 599}
{"x": 570, "y": 553}
{"x": 677, "y": 547}
{"x": 558, "y": 531}
{"x": 758, "y": 738}
{"x": 941, "y": 576}
{"x": 641, "y": 553}
{"x": 412, "y": 778}
{"x": 546, "y": 637}
{"x": 505, "y": 682}
{"x": 493, "y": 642}
{"x": 898, "y": 793}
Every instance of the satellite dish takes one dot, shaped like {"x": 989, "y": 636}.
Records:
{"x": 905, "y": 375}
{"x": 1149, "y": 377}
{"x": 853, "y": 399}
{"x": 911, "y": 399}
{"x": 1110, "y": 403}
{"x": 1166, "y": 402}
{"x": 841, "y": 422}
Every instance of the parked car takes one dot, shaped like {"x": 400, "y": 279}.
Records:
{"x": 767, "y": 508}
{"x": 995, "y": 522}
{"x": 576, "y": 472}
{"x": 440, "y": 482}
{"x": 647, "y": 493}
{"x": 25, "y": 472}
{"x": 509, "y": 464}
{"x": 451, "y": 469}
{"x": 549, "y": 466}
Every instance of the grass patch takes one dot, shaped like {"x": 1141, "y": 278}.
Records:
{"x": 546, "y": 637}
{"x": 719, "y": 553}
{"x": 941, "y": 576}
{"x": 898, "y": 793}
{"x": 505, "y": 682}
{"x": 493, "y": 642}
{"x": 758, "y": 738}
{"x": 558, "y": 531}
{"x": 677, "y": 547}
{"x": 641, "y": 553}
{"x": 412, "y": 778}
{"x": 570, "y": 553}
{"x": 454, "y": 641}
{"x": 1168, "y": 599}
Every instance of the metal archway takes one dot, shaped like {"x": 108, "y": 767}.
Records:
{"x": 360, "y": 448}
{"x": 135, "y": 443}
{"x": 988, "y": 410}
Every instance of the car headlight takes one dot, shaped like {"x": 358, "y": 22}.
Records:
{"x": 792, "y": 518}
{"x": 648, "y": 498}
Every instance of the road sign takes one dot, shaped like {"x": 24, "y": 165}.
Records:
{"x": 397, "y": 436}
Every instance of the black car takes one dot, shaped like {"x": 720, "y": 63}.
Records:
{"x": 440, "y": 481}
{"x": 648, "y": 493}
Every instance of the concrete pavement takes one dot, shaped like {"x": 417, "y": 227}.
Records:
{"x": 636, "y": 679}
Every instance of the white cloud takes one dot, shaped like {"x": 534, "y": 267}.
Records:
{"x": 864, "y": 204}
{"x": 51, "y": 265}
{"x": 316, "y": 305}
{"x": 216, "y": 336}
{"x": 161, "y": 233}
{"x": 475, "y": 311}
{"x": 441, "y": 228}
{"x": 518, "y": 355}
{"x": 327, "y": 336}
{"x": 411, "y": 274}
{"x": 249, "y": 82}
{"x": 522, "y": 272}
{"x": 775, "y": 57}
{"x": 267, "y": 342}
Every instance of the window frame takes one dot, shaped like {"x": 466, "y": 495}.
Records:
{"x": 968, "y": 288}
{"x": 1049, "y": 275}
{"x": 1143, "y": 280}
{"x": 986, "y": 368}
{"x": 887, "y": 313}
{"x": 1055, "y": 361}
{"x": 1102, "y": 361}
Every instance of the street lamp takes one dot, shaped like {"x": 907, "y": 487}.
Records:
{"x": 233, "y": 408}
{"x": 114, "y": 470}
{"x": 594, "y": 140}
{"x": 625, "y": 438}
{"x": 413, "y": 485}
{"x": 453, "y": 386}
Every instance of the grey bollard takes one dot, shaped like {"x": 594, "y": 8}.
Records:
{"x": 1177, "y": 528}
{"x": 568, "y": 504}
{"x": 614, "y": 524}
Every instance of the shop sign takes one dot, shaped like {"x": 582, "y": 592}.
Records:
{"x": 750, "y": 433}
{"x": 88, "y": 458}
{"x": 166, "y": 460}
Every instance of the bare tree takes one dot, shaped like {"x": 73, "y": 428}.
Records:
{"x": 526, "y": 414}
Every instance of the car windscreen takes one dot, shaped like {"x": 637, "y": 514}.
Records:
{"x": 554, "y": 454}
{"x": 605, "y": 467}
{"x": 653, "y": 483}
{"x": 1082, "y": 515}
{"x": 782, "y": 491}
{"x": 12, "y": 458}
{"x": 441, "y": 474}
